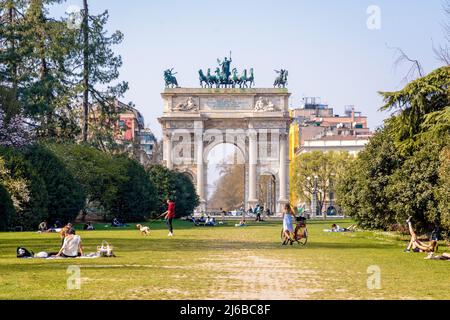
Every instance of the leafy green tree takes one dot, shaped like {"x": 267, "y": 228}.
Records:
{"x": 443, "y": 192}
{"x": 100, "y": 69}
{"x": 65, "y": 195}
{"x": 185, "y": 196}
{"x": 362, "y": 189}
{"x": 173, "y": 185}
{"x": 34, "y": 210}
{"x": 317, "y": 171}
{"x": 97, "y": 172}
{"x": 412, "y": 188}
{"x": 12, "y": 53}
{"x": 422, "y": 99}
{"x": 6, "y": 209}
{"x": 164, "y": 181}
{"x": 50, "y": 90}
{"x": 135, "y": 195}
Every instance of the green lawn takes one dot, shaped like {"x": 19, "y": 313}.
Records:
{"x": 224, "y": 263}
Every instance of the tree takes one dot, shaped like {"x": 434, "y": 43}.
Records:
{"x": 6, "y": 209}
{"x": 443, "y": 191}
{"x": 12, "y": 131}
{"x": 135, "y": 199}
{"x": 175, "y": 186}
{"x": 99, "y": 68}
{"x": 96, "y": 171}
{"x": 185, "y": 195}
{"x": 35, "y": 209}
{"x": 17, "y": 188}
{"x": 413, "y": 105}
{"x": 65, "y": 195}
{"x": 50, "y": 88}
{"x": 362, "y": 189}
{"x": 412, "y": 188}
{"x": 229, "y": 193}
{"x": 316, "y": 172}
{"x": 12, "y": 51}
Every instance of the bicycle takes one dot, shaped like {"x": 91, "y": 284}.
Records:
{"x": 301, "y": 233}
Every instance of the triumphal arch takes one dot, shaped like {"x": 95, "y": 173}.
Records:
{"x": 255, "y": 120}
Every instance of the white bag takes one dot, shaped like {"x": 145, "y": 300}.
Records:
{"x": 105, "y": 250}
{"x": 41, "y": 255}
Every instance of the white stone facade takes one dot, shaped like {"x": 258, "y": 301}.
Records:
{"x": 256, "y": 121}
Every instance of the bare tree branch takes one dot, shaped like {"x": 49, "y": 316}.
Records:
{"x": 414, "y": 71}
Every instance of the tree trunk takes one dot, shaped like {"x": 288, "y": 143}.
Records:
{"x": 13, "y": 46}
{"x": 85, "y": 71}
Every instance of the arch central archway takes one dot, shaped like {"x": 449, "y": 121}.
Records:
{"x": 255, "y": 121}
{"x": 225, "y": 180}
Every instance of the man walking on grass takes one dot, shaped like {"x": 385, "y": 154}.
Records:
{"x": 169, "y": 215}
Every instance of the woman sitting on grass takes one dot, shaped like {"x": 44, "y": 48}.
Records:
{"x": 417, "y": 245}
{"x": 243, "y": 223}
{"x": 72, "y": 247}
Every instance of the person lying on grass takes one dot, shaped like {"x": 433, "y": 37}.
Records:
{"x": 444, "y": 256}
{"x": 72, "y": 247}
{"x": 419, "y": 246}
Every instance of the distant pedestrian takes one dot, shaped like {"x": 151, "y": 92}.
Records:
{"x": 169, "y": 215}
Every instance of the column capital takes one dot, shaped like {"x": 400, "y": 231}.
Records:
{"x": 252, "y": 135}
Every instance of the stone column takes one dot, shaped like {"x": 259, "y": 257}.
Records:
{"x": 283, "y": 172}
{"x": 252, "y": 164}
{"x": 168, "y": 150}
{"x": 200, "y": 165}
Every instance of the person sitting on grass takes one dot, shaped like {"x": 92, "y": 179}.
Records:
{"x": 211, "y": 222}
{"x": 72, "y": 247}
{"x": 43, "y": 227}
{"x": 418, "y": 246}
{"x": 89, "y": 226}
{"x": 242, "y": 223}
{"x": 63, "y": 232}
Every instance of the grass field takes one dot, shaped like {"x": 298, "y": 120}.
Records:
{"x": 224, "y": 263}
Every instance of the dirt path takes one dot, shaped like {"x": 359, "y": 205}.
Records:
{"x": 251, "y": 277}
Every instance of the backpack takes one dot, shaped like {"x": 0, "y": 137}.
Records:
{"x": 24, "y": 253}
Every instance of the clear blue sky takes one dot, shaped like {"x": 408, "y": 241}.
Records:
{"x": 325, "y": 45}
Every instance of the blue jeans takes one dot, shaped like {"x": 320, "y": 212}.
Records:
{"x": 169, "y": 224}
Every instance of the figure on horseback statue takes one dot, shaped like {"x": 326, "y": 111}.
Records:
{"x": 225, "y": 77}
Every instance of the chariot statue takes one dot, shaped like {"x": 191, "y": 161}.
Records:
{"x": 225, "y": 77}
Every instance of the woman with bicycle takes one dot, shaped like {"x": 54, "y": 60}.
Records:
{"x": 288, "y": 225}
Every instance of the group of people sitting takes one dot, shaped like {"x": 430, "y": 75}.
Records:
{"x": 71, "y": 245}
{"x": 431, "y": 247}
{"x": 116, "y": 223}
{"x": 203, "y": 221}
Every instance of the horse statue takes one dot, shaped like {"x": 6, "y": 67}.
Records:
{"x": 282, "y": 80}
{"x": 169, "y": 78}
{"x": 244, "y": 79}
{"x": 251, "y": 78}
{"x": 221, "y": 77}
{"x": 203, "y": 78}
{"x": 235, "y": 80}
